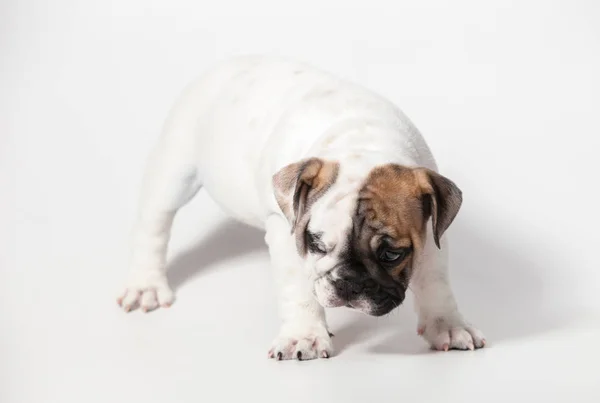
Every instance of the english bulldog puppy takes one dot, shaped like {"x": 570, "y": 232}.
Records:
{"x": 343, "y": 184}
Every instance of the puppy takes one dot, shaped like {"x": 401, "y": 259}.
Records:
{"x": 343, "y": 184}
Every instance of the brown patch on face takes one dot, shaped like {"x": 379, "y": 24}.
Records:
{"x": 297, "y": 187}
{"x": 394, "y": 207}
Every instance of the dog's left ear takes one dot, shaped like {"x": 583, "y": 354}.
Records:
{"x": 297, "y": 186}
{"x": 441, "y": 197}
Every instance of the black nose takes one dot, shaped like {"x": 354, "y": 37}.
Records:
{"x": 397, "y": 292}
{"x": 347, "y": 289}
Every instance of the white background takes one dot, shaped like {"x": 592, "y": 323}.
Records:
{"x": 507, "y": 94}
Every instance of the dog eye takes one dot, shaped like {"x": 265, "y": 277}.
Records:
{"x": 314, "y": 243}
{"x": 320, "y": 248}
{"x": 393, "y": 255}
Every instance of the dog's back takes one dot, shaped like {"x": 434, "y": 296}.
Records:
{"x": 249, "y": 116}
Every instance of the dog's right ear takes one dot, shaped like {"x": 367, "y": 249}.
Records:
{"x": 298, "y": 185}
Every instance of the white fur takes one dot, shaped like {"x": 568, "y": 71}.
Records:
{"x": 230, "y": 132}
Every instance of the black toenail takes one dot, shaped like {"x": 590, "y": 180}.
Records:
{"x": 279, "y": 355}
{"x": 299, "y": 355}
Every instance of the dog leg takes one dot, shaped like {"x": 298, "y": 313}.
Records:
{"x": 303, "y": 334}
{"x": 170, "y": 181}
{"x": 440, "y": 321}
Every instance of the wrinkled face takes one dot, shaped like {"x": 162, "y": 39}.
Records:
{"x": 359, "y": 240}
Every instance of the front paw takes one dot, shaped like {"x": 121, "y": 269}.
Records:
{"x": 147, "y": 291}
{"x": 450, "y": 331}
{"x": 302, "y": 341}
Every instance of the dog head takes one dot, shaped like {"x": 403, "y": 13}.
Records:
{"x": 359, "y": 239}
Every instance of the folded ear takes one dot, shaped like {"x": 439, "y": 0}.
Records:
{"x": 297, "y": 186}
{"x": 443, "y": 197}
